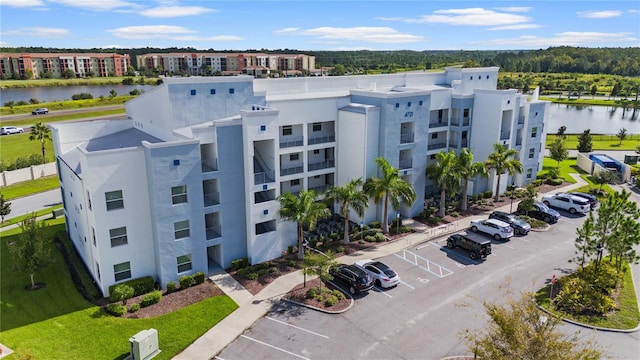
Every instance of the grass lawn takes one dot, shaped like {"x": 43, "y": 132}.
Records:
{"x": 601, "y": 142}
{"x": 57, "y": 323}
{"x": 30, "y": 187}
{"x": 19, "y": 145}
{"x": 626, "y": 317}
{"x": 74, "y": 82}
{"x": 18, "y": 219}
{"x": 566, "y": 167}
{"x": 56, "y": 118}
{"x": 66, "y": 105}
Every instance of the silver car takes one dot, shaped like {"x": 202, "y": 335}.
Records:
{"x": 382, "y": 275}
{"x": 8, "y": 130}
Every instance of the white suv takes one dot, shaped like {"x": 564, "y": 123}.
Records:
{"x": 500, "y": 230}
{"x": 571, "y": 203}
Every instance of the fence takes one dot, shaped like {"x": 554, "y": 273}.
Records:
{"x": 30, "y": 173}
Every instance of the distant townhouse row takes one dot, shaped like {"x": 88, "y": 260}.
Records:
{"x": 54, "y": 65}
{"x": 255, "y": 64}
{"x": 190, "y": 181}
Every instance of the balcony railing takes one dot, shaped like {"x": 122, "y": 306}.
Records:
{"x": 291, "y": 142}
{"x": 465, "y": 121}
{"x": 209, "y": 165}
{"x": 211, "y": 199}
{"x": 321, "y": 165}
{"x": 455, "y": 122}
{"x": 263, "y": 177}
{"x": 437, "y": 124}
{"x": 504, "y": 135}
{"x": 322, "y": 139}
{"x": 214, "y": 231}
{"x": 464, "y": 143}
{"x": 406, "y": 138}
{"x": 291, "y": 170}
{"x": 521, "y": 120}
{"x": 437, "y": 146}
{"x": 405, "y": 164}
{"x": 320, "y": 189}
{"x": 518, "y": 141}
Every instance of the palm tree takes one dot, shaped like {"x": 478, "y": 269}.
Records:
{"x": 390, "y": 187}
{"x": 348, "y": 196}
{"x": 444, "y": 174}
{"x": 304, "y": 210}
{"x": 41, "y": 133}
{"x": 503, "y": 159}
{"x": 467, "y": 169}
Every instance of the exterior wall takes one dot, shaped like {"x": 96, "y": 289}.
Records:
{"x": 31, "y": 173}
{"x": 57, "y": 63}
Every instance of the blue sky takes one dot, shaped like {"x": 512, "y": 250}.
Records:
{"x": 320, "y": 25}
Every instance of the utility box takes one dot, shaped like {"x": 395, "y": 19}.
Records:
{"x": 144, "y": 345}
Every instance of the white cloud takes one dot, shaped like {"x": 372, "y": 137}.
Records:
{"x": 206, "y": 38}
{"x": 166, "y": 32}
{"x": 516, "y": 27}
{"x": 286, "y": 30}
{"x": 570, "y": 38}
{"x": 175, "y": 11}
{"x": 515, "y": 9}
{"x": 366, "y": 34}
{"x": 599, "y": 14}
{"x": 38, "y": 32}
{"x": 5, "y": 44}
{"x": 470, "y": 17}
{"x": 634, "y": 11}
{"x": 21, "y": 3}
{"x": 98, "y": 5}
{"x": 382, "y": 18}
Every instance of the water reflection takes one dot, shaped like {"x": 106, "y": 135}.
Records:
{"x": 600, "y": 119}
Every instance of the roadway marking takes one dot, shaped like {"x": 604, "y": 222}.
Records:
{"x": 407, "y": 285}
{"x": 422, "y": 280}
{"x": 381, "y": 290}
{"x": 523, "y": 239}
{"x": 296, "y": 327}
{"x": 509, "y": 246}
{"x": 274, "y": 347}
{"x": 413, "y": 258}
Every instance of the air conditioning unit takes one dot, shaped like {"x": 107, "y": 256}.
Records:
{"x": 144, "y": 345}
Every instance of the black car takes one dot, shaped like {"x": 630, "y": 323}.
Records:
{"x": 354, "y": 277}
{"x": 477, "y": 247}
{"x": 520, "y": 227}
{"x": 540, "y": 211}
{"x": 593, "y": 200}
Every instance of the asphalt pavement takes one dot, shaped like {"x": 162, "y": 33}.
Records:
{"x": 28, "y": 204}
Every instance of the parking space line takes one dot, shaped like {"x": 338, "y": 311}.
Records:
{"x": 380, "y": 290}
{"x": 407, "y": 285}
{"x": 296, "y": 327}
{"x": 509, "y": 246}
{"x": 274, "y": 347}
{"x": 413, "y": 258}
{"x": 523, "y": 239}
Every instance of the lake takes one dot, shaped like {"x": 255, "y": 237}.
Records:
{"x": 44, "y": 94}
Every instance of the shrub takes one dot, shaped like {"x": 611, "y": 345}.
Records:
{"x": 252, "y": 276}
{"x": 487, "y": 194}
{"x": 134, "y": 308}
{"x": 151, "y": 298}
{"x": 313, "y": 292}
{"x": 116, "y": 309}
{"x": 121, "y": 292}
{"x": 290, "y": 249}
{"x": 537, "y": 182}
{"x": 198, "y": 277}
{"x": 455, "y": 214}
{"x": 140, "y": 286}
{"x": 292, "y": 263}
{"x": 369, "y": 238}
{"x": 554, "y": 182}
{"x": 380, "y": 237}
{"x": 127, "y": 81}
{"x": 340, "y": 249}
{"x": 338, "y": 294}
{"x": 81, "y": 96}
{"x": 331, "y": 300}
{"x": 433, "y": 220}
{"x": 171, "y": 287}
{"x": 239, "y": 263}
{"x": 376, "y": 225}
{"x": 186, "y": 281}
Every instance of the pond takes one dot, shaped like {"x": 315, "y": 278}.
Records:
{"x": 600, "y": 119}
{"x": 44, "y": 94}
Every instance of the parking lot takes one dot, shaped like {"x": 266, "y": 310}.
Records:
{"x": 440, "y": 294}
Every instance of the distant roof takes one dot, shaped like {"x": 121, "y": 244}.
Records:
{"x": 123, "y": 139}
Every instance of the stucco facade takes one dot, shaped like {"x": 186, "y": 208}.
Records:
{"x": 196, "y": 168}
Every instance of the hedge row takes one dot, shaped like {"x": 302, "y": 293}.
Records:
{"x": 140, "y": 286}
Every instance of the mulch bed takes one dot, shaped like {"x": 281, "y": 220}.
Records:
{"x": 298, "y": 294}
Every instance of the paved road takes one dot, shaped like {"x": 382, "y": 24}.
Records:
{"x": 28, "y": 204}
{"x": 44, "y": 117}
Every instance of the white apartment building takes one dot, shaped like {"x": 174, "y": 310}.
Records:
{"x": 189, "y": 181}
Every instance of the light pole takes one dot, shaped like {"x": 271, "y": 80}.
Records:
{"x": 361, "y": 230}
{"x": 513, "y": 192}
{"x": 398, "y": 223}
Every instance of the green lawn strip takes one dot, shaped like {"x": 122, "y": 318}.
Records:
{"x": 29, "y": 187}
{"x": 18, "y": 219}
{"x": 566, "y": 167}
{"x": 66, "y": 105}
{"x": 625, "y": 317}
{"x": 19, "y": 145}
{"x": 57, "y": 323}
{"x": 591, "y": 185}
{"x": 601, "y": 142}
{"x": 11, "y": 84}
{"x": 582, "y": 101}
{"x": 57, "y": 118}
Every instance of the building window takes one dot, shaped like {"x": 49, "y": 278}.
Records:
{"x": 409, "y": 104}
{"x": 122, "y": 271}
{"x": 93, "y": 235}
{"x": 89, "y": 200}
{"x": 487, "y": 77}
{"x": 529, "y": 173}
{"x": 534, "y": 132}
{"x": 231, "y": 91}
{"x": 532, "y": 151}
{"x": 440, "y": 113}
{"x": 287, "y": 130}
{"x": 397, "y": 105}
{"x": 317, "y": 127}
{"x": 294, "y": 157}
{"x": 434, "y": 136}
{"x": 212, "y": 91}
{"x": 98, "y": 270}
{"x": 294, "y": 182}
{"x": 465, "y": 113}
{"x": 263, "y": 127}
{"x": 181, "y": 229}
{"x": 118, "y": 236}
{"x": 432, "y": 157}
{"x": 184, "y": 263}
{"x": 470, "y": 77}
{"x": 420, "y": 102}
{"x": 317, "y": 151}
{"x": 179, "y": 194}
{"x": 193, "y": 92}
{"x": 508, "y": 101}
{"x": 114, "y": 200}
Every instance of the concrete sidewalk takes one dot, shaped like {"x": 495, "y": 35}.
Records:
{"x": 251, "y": 308}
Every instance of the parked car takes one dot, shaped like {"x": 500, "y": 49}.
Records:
{"x": 382, "y": 275}
{"x": 540, "y": 211}
{"x": 500, "y": 230}
{"x": 571, "y": 203}
{"x": 477, "y": 248}
{"x": 520, "y": 227}
{"x": 40, "y": 111}
{"x": 593, "y": 200}
{"x": 354, "y": 277}
{"x": 8, "y": 130}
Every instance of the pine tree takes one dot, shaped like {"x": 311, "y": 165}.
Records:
{"x": 585, "y": 143}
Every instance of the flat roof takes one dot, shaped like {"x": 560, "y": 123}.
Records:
{"x": 122, "y": 139}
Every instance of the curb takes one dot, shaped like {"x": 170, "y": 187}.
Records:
{"x": 352, "y": 302}
{"x": 587, "y": 326}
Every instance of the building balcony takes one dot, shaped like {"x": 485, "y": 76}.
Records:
{"x": 209, "y": 165}
{"x": 406, "y": 138}
{"x": 291, "y": 142}
{"x": 321, "y": 165}
{"x": 505, "y": 135}
{"x": 291, "y": 170}
{"x": 320, "y": 189}
{"x": 212, "y": 199}
{"x": 455, "y": 122}
{"x": 464, "y": 143}
{"x": 322, "y": 139}
{"x": 518, "y": 141}
{"x": 521, "y": 120}
{"x": 465, "y": 121}
{"x": 405, "y": 164}
{"x": 437, "y": 146}
{"x": 437, "y": 124}
{"x": 263, "y": 177}
{"x": 214, "y": 231}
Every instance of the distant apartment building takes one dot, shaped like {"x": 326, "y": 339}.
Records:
{"x": 190, "y": 181}
{"x": 54, "y": 65}
{"x": 255, "y": 64}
